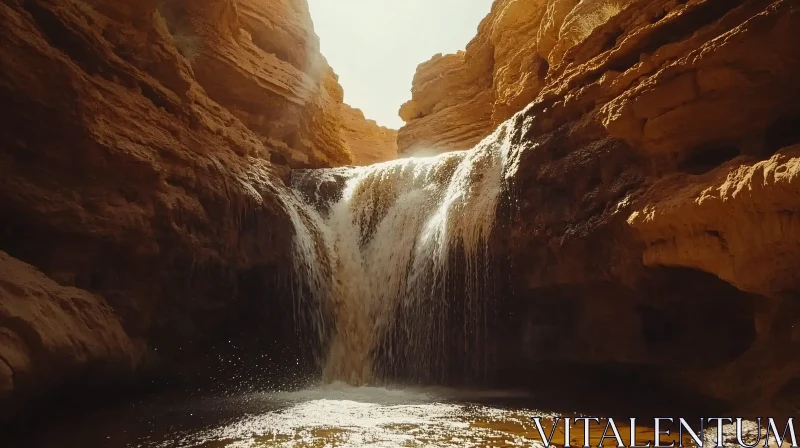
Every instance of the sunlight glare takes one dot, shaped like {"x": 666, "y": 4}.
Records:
{"x": 375, "y": 45}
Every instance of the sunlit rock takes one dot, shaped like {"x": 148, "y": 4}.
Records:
{"x": 458, "y": 99}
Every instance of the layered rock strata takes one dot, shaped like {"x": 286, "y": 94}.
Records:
{"x": 654, "y": 179}
{"x": 458, "y": 99}
{"x": 261, "y": 61}
{"x": 143, "y": 156}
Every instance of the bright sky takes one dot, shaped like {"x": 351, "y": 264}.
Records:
{"x": 375, "y": 45}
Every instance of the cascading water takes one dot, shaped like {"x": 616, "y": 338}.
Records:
{"x": 396, "y": 253}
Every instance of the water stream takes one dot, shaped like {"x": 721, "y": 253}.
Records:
{"x": 339, "y": 415}
{"x": 396, "y": 254}
{"x": 327, "y": 415}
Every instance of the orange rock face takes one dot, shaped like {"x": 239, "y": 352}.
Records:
{"x": 142, "y": 165}
{"x": 451, "y": 104}
{"x": 656, "y": 183}
{"x": 736, "y": 222}
{"x": 368, "y": 142}
{"x": 457, "y": 100}
{"x": 261, "y": 61}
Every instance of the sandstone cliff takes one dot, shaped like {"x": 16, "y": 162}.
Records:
{"x": 135, "y": 170}
{"x": 655, "y": 183}
{"x": 457, "y": 100}
{"x": 368, "y": 142}
{"x": 261, "y": 61}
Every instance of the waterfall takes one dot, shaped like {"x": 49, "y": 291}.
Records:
{"x": 395, "y": 254}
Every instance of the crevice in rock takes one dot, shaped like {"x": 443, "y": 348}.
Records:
{"x": 671, "y": 322}
{"x": 83, "y": 51}
{"x": 703, "y": 160}
{"x": 683, "y": 306}
{"x": 780, "y": 134}
{"x": 270, "y": 47}
{"x": 542, "y": 68}
{"x": 77, "y": 47}
{"x": 675, "y": 30}
{"x": 158, "y": 99}
{"x": 8, "y": 384}
{"x": 594, "y": 339}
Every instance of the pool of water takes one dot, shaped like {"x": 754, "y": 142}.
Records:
{"x": 324, "y": 416}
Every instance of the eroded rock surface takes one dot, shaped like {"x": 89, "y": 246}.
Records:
{"x": 654, "y": 226}
{"x": 52, "y": 335}
{"x": 120, "y": 175}
{"x": 458, "y": 99}
{"x": 261, "y": 61}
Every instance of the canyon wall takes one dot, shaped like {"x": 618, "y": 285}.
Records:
{"x": 261, "y": 61}
{"x": 458, "y": 99}
{"x": 368, "y": 142}
{"x": 144, "y": 151}
{"x": 653, "y": 228}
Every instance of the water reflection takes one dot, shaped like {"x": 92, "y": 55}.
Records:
{"x": 339, "y": 415}
{"x": 326, "y": 416}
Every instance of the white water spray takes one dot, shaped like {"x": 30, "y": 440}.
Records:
{"x": 399, "y": 257}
